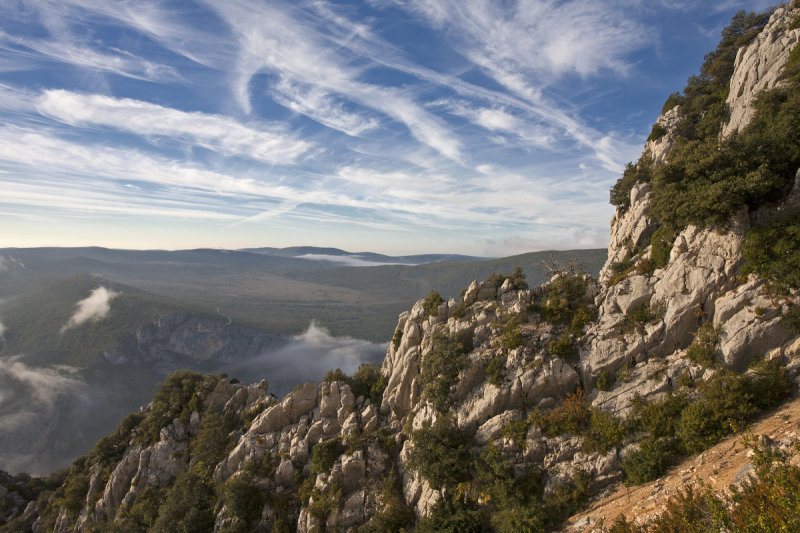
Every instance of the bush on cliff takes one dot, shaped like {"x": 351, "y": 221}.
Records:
{"x": 704, "y": 181}
{"x": 442, "y": 454}
{"x": 772, "y": 249}
{"x": 440, "y": 368}
{"x": 175, "y": 398}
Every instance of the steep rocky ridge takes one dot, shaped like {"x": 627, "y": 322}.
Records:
{"x": 538, "y": 371}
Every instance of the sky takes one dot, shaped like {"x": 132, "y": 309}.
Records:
{"x": 479, "y": 127}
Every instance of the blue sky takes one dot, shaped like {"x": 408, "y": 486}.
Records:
{"x": 396, "y": 126}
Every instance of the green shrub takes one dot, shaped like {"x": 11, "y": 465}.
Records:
{"x": 583, "y": 316}
{"x": 573, "y": 416}
{"x": 213, "y": 440}
{"x": 686, "y": 380}
{"x": 368, "y": 382}
{"x": 604, "y": 381}
{"x": 510, "y": 332}
{"x": 188, "y": 505}
{"x": 704, "y": 345}
{"x": 639, "y": 317}
{"x": 567, "y": 499}
{"x": 565, "y": 295}
{"x": 306, "y": 489}
{"x": 324, "y": 454}
{"x": 393, "y": 515}
{"x": 441, "y": 366}
{"x": 604, "y": 432}
{"x": 520, "y": 518}
{"x": 432, "y": 303}
{"x": 332, "y": 376}
{"x": 790, "y": 69}
{"x": 773, "y": 250}
{"x": 172, "y": 399}
{"x": 72, "y": 494}
{"x": 769, "y": 384}
{"x": 500, "y": 489}
{"x": 649, "y": 462}
{"x": 397, "y": 338}
{"x": 771, "y": 502}
{"x": 661, "y": 246}
{"x": 675, "y": 99}
{"x": 724, "y": 405}
{"x": 323, "y": 503}
{"x": 657, "y": 132}
{"x": 109, "y": 449}
{"x": 495, "y": 279}
{"x": 243, "y": 498}
{"x": 517, "y": 278}
{"x": 517, "y": 430}
{"x": 639, "y": 172}
{"x": 496, "y": 370}
{"x": 140, "y": 516}
{"x": 791, "y": 319}
{"x": 658, "y": 418}
{"x": 646, "y": 266}
{"x": 620, "y": 269}
{"x": 252, "y": 413}
{"x": 453, "y": 516}
{"x": 442, "y": 454}
{"x": 459, "y": 311}
{"x": 562, "y": 347}
{"x": 703, "y": 181}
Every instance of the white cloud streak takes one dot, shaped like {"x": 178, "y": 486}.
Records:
{"x": 94, "y": 307}
{"x": 532, "y": 44}
{"x": 307, "y": 357}
{"x": 404, "y": 199}
{"x": 347, "y": 260}
{"x": 64, "y": 45}
{"x": 31, "y": 402}
{"x": 272, "y": 40}
{"x": 214, "y": 132}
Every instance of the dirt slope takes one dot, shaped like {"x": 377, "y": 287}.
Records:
{"x": 717, "y": 467}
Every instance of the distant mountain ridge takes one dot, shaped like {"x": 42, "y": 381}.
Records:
{"x": 419, "y": 259}
{"x": 204, "y": 310}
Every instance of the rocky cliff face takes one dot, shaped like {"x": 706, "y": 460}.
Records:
{"x": 178, "y": 340}
{"x": 326, "y": 458}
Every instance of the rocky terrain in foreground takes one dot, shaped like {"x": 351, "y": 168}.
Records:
{"x": 510, "y": 408}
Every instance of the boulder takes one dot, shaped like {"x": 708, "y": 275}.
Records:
{"x": 300, "y": 402}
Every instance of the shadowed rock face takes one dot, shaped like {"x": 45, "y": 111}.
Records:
{"x": 699, "y": 282}
{"x": 178, "y": 340}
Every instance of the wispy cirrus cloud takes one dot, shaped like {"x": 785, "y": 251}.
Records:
{"x": 318, "y": 104}
{"x": 271, "y": 39}
{"x": 528, "y": 47}
{"x": 61, "y": 43}
{"x": 546, "y": 37}
{"x": 214, "y": 132}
